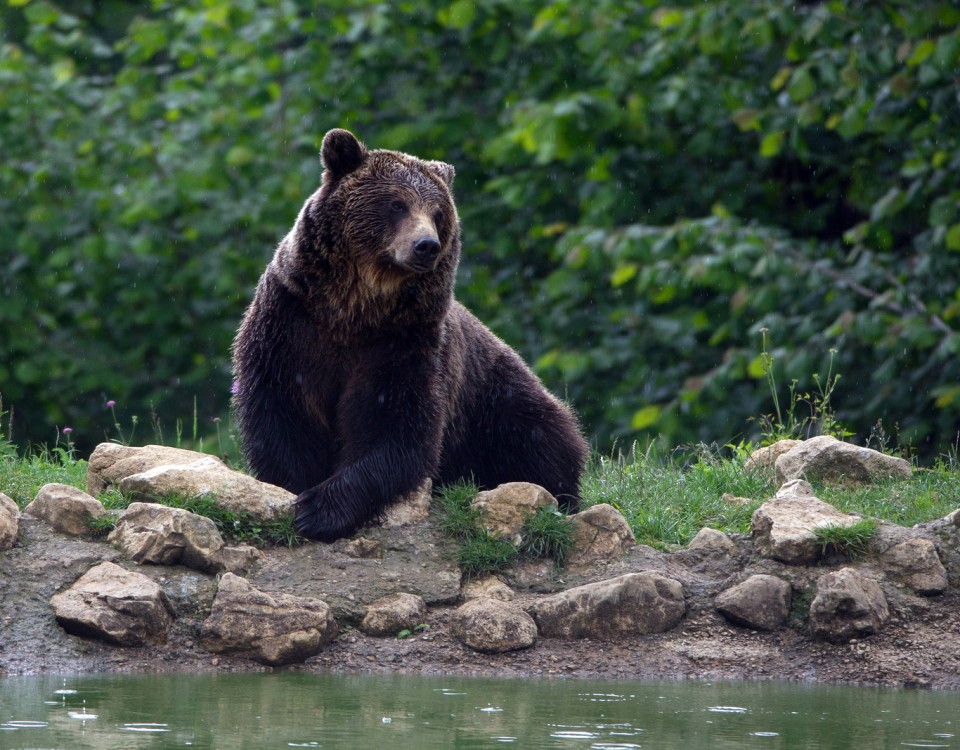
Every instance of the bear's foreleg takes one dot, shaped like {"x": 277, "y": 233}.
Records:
{"x": 280, "y": 444}
{"x": 388, "y": 422}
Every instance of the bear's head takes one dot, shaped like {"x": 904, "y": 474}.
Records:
{"x": 395, "y": 213}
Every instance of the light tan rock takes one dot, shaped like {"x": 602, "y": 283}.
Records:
{"x": 783, "y": 527}
{"x": 765, "y": 459}
{"x": 826, "y": 459}
{"x": 632, "y": 604}
{"x": 274, "y": 629}
{"x": 208, "y": 477}
{"x": 506, "y": 508}
{"x": 9, "y": 522}
{"x": 394, "y": 613}
{"x": 115, "y": 605}
{"x": 601, "y": 534}
{"x": 915, "y": 563}
{"x": 151, "y": 533}
{"x": 493, "y": 626}
{"x": 65, "y": 508}
{"x": 111, "y": 462}
{"x": 488, "y": 587}
{"x": 761, "y": 602}
{"x": 411, "y": 510}
{"x": 713, "y": 539}
{"x": 847, "y": 605}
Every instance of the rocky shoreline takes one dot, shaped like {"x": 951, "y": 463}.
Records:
{"x": 770, "y": 605}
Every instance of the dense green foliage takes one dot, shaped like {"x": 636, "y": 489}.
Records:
{"x": 643, "y": 187}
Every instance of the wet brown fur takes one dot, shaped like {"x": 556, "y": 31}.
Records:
{"x": 357, "y": 373}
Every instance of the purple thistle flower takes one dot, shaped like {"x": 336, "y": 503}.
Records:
{"x": 111, "y": 403}
{"x": 67, "y": 430}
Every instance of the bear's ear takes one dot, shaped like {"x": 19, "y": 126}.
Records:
{"x": 442, "y": 170}
{"x": 341, "y": 153}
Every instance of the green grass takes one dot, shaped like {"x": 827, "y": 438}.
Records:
{"x": 547, "y": 533}
{"x": 852, "y": 541}
{"x": 666, "y": 497}
{"x": 22, "y": 477}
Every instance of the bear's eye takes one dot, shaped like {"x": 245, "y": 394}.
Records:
{"x": 437, "y": 218}
{"x": 398, "y": 207}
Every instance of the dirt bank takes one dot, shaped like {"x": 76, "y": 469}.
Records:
{"x": 918, "y": 647}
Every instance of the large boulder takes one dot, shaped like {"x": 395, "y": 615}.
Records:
{"x": 826, "y": 459}
{"x": 765, "y": 458}
{"x": 761, "y": 602}
{"x": 151, "y": 533}
{"x": 504, "y": 509}
{"x": 115, "y": 605}
{"x": 493, "y": 626}
{"x": 394, "y": 613}
{"x": 65, "y": 508}
{"x": 208, "y": 477}
{"x": 632, "y": 604}
{"x": 915, "y": 564}
{"x": 600, "y": 534}
{"x": 9, "y": 522}
{"x": 274, "y": 629}
{"x": 847, "y": 605}
{"x": 111, "y": 462}
{"x": 783, "y": 527}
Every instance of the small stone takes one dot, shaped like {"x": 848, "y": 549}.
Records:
{"x": 410, "y": 510}
{"x": 601, "y": 534}
{"x": 761, "y": 602}
{"x": 363, "y": 548}
{"x": 506, "y": 508}
{"x": 765, "y": 459}
{"x": 826, "y": 459}
{"x": 488, "y": 587}
{"x": 915, "y": 563}
{"x": 393, "y": 613}
{"x": 493, "y": 626}
{"x": 150, "y": 533}
{"x": 713, "y": 539}
{"x": 65, "y": 508}
{"x": 783, "y": 527}
{"x": 114, "y": 605}
{"x": 847, "y": 605}
{"x": 273, "y": 629}
{"x": 632, "y": 604}
{"x": 9, "y": 522}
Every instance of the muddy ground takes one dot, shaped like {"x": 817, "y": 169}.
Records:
{"x": 919, "y": 647}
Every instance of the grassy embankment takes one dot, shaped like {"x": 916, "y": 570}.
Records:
{"x": 666, "y": 497}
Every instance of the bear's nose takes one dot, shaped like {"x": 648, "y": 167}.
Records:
{"x": 426, "y": 249}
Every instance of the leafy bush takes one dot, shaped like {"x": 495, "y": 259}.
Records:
{"x": 642, "y": 188}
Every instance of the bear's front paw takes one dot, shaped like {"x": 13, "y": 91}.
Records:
{"x": 316, "y": 517}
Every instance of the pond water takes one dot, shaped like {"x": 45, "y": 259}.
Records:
{"x": 292, "y": 710}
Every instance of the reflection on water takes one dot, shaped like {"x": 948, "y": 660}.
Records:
{"x": 294, "y": 710}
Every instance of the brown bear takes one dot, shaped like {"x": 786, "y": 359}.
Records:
{"x": 357, "y": 374}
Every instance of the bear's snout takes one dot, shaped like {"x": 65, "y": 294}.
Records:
{"x": 425, "y": 253}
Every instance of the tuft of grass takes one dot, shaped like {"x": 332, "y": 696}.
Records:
{"x": 457, "y": 519}
{"x": 852, "y": 541}
{"x": 482, "y": 553}
{"x": 547, "y": 533}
